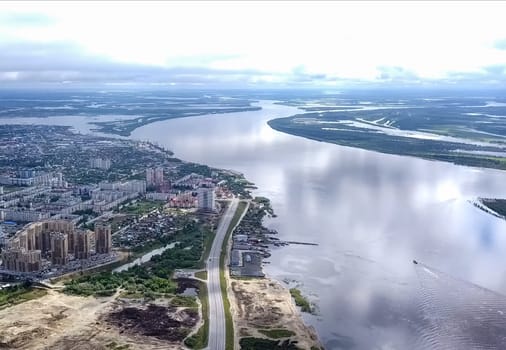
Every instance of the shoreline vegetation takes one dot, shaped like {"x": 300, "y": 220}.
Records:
{"x": 125, "y": 127}
{"x": 265, "y": 316}
{"x": 13, "y": 295}
{"x": 424, "y": 149}
{"x": 492, "y": 206}
{"x": 301, "y": 301}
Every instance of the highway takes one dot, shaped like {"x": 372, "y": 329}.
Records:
{"x": 216, "y": 310}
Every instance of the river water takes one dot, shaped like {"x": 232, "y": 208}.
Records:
{"x": 370, "y": 213}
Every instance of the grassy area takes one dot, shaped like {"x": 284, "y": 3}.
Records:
{"x": 201, "y": 274}
{"x": 229, "y": 324}
{"x": 115, "y": 346}
{"x": 18, "y": 294}
{"x": 208, "y": 243}
{"x": 141, "y": 207}
{"x": 184, "y": 301}
{"x": 277, "y": 333}
{"x": 135, "y": 281}
{"x": 251, "y": 343}
{"x": 200, "y": 339}
{"x": 152, "y": 278}
{"x": 304, "y": 304}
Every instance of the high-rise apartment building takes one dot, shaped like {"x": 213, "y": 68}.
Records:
{"x": 159, "y": 176}
{"x": 103, "y": 241}
{"x": 100, "y": 163}
{"x": 82, "y": 247}
{"x": 22, "y": 260}
{"x": 150, "y": 176}
{"x": 59, "y": 249}
{"x": 206, "y": 198}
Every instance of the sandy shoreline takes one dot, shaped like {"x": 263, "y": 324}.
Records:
{"x": 266, "y": 304}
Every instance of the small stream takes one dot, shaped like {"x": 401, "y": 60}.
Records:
{"x": 145, "y": 258}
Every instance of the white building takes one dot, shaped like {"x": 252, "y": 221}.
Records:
{"x": 24, "y": 215}
{"x": 158, "y": 196}
{"x": 138, "y": 186}
{"x": 159, "y": 176}
{"x": 206, "y": 198}
{"x": 150, "y": 176}
{"x": 100, "y": 163}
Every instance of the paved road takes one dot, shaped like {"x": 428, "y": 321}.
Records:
{"x": 216, "y": 309}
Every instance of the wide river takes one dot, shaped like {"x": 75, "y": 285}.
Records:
{"x": 371, "y": 214}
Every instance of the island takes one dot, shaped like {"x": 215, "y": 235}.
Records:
{"x": 464, "y": 130}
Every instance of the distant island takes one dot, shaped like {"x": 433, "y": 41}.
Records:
{"x": 465, "y": 130}
{"x": 492, "y": 206}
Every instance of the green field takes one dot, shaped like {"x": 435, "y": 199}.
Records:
{"x": 18, "y": 294}
{"x": 277, "y": 333}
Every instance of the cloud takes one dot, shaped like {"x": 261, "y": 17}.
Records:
{"x": 396, "y": 73}
{"x": 19, "y": 19}
{"x": 60, "y": 62}
{"x": 500, "y": 44}
{"x": 66, "y": 62}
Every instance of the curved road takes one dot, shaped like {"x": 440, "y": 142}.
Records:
{"x": 216, "y": 309}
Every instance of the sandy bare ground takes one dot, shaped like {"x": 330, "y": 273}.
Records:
{"x": 266, "y": 304}
{"x": 58, "y": 321}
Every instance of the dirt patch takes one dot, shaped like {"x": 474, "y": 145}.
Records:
{"x": 61, "y": 322}
{"x": 161, "y": 322}
{"x": 266, "y": 304}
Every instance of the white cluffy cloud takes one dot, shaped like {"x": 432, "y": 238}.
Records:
{"x": 250, "y": 42}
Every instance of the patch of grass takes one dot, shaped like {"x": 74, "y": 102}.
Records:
{"x": 251, "y": 343}
{"x": 304, "y": 304}
{"x": 200, "y": 339}
{"x": 184, "y": 301}
{"x": 208, "y": 243}
{"x": 141, "y": 207}
{"x": 18, "y": 294}
{"x": 131, "y": 295}
{"x": 229, "y": 324}
{"x": 201, "y": 274}
{"x": 114, "y": 346}
{"x": 277, "y": 333}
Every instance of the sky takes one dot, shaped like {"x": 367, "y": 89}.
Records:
{"x": 254, "y": 44}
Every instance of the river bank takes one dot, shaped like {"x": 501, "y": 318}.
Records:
{"x": 264, "y": 309}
